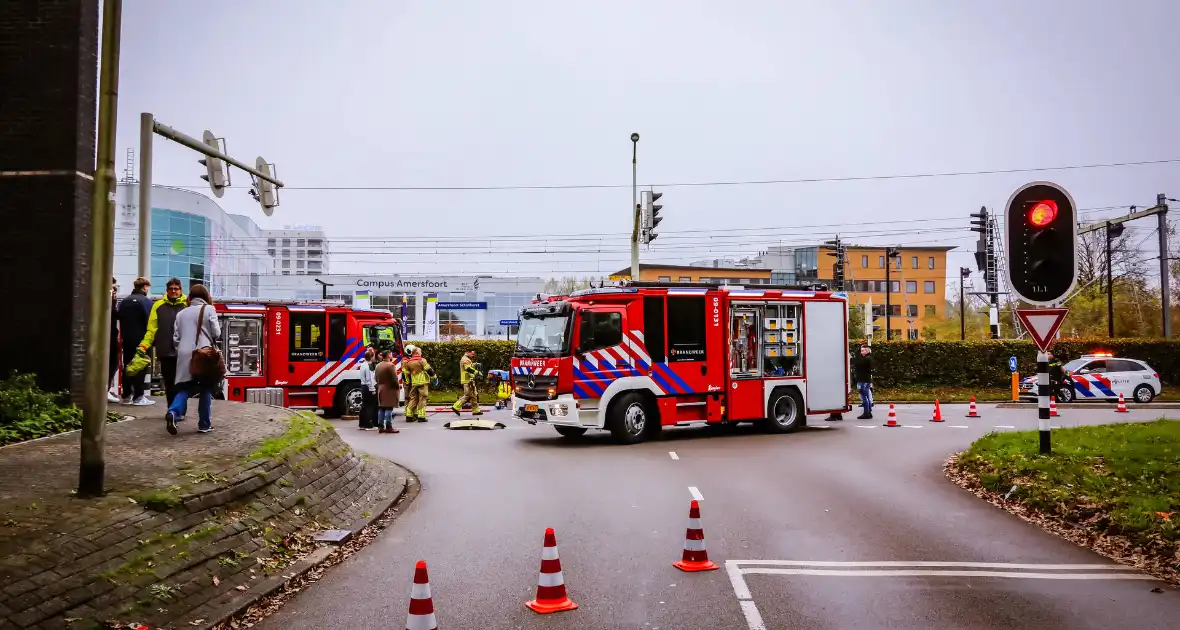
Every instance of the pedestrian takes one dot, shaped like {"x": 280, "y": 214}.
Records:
{"x": 196, "y": 328}
{"x": 133, "y": 320}
{"x": 161, "y": 323}
{"x": 468, "y": 370}
{"x": 387, "y": 395}
{"x": 862, "y": 372}
{"x": 113, "y": 362}
{"x": 416, "y": 374}
{"x": 368, "y": 391}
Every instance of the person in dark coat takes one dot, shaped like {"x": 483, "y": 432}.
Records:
{"x": 387, "y": 392}
{"x": 862, "y": 372}
{"x": 133, "y": 314}
{"x": 113, "y": 362}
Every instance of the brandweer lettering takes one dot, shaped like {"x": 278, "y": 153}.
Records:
{"x": 403, "y": 284}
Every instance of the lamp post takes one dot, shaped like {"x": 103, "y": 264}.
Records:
{"x": 890, "y": 254}
{"x": 325, "y": 285}
{"x": 963, "y": 273}
{"x": 634, "y": 208}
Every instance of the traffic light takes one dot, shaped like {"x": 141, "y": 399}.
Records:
{"x": 838, "y": 266}
{"x": 979, "y": 222}
{"x": 651, "y": 214}
{"x": 265, "y": 192}
{"x": 214, "y": 167}
{"x": 1041, "y": 225}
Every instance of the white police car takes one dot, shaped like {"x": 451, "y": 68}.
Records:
{"x": 1101, "y": 376}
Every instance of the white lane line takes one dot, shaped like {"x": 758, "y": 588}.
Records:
{"x": 753, "y": 618}
{"x": 932, "y": 563}
{"x": 1005, "y": 426}
{"x": 673, "y": 455}
{"x": 696, "y": 494}
{"x": 911, "y": 426}
{"x": 736, "y": 580}
{"x": 957, "y": 426}
{"x": 866, "y": 426}
{"x": 934, "y": 573}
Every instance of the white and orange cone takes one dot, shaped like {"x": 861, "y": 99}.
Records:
{"x": 1122, "y": 408}
{"x": 421, "y": 615}
{"x": 892, "y": 417}
{"x": 937, "y": 417}
{"x": 551, "y": 595}
{"x": 695, "y": 556}
{"x": 972, "y": 412}
{"x": 1052, "y": 406}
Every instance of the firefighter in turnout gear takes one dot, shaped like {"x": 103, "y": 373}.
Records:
{"x": 468, "y": 370}
{"x": 416, "y": 374}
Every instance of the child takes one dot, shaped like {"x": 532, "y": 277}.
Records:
{"x": 503, "y": 389}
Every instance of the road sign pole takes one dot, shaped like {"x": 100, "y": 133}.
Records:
{"x": 1043, "y": 402}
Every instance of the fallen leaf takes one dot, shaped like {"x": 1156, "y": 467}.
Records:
{"x": 216, "y": 581}
{"x": 242, "y": 587}
{"x": 196, "y": 622}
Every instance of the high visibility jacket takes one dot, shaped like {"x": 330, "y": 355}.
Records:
{"x": 161, "y": 323}
{"x": 504, "y": 392}
{"x": 416, "y": 371}
{"x": 467, "y": 370}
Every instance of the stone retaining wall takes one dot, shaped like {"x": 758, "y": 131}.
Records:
{"x": 175, "y": 561}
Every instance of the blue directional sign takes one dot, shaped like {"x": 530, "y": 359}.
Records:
{"x": 1012, "y": 364}
{"x": 509, "y": 322}
{"x": 463, "y": 306}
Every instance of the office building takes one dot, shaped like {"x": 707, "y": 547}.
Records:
{"x": 298, "y": 250}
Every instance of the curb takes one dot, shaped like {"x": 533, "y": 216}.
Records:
{"x": 408, "y": 490}
{"x": 1091, "y": 405}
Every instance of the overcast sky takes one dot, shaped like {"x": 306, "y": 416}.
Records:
{"x": 380, "y": 93}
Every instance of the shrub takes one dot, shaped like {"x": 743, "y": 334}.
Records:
{"x": 444, "y": 356}
{"x": 28, "y": 413}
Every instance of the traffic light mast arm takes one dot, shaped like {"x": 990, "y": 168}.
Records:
{"x": 201, "y": 147}
{"x": 1138, "y": 214}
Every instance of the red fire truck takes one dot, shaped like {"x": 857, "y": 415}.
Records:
{"x": 302, "y": 354}
{"x": 634, "y": 358}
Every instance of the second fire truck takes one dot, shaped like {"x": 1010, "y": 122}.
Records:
{"x": 638, "y": 357}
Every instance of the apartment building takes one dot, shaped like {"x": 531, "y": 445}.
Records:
{"x": 298, "y": 250}
{"x": 917, "y": 293}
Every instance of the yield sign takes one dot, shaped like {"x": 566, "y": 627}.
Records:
{"x": 1042, "y": 324}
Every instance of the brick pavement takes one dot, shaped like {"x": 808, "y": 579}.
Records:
{"x": 189, "y": 522}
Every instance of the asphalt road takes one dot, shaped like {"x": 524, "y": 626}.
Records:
{"x": 852, "y": 526}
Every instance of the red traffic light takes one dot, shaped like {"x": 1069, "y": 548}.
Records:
{"x": 1042, "y": 213}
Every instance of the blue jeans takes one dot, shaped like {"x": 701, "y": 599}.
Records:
{"x": 866, "y": 396}
{"x": 179, "y": 405}
{"x": 385, "y": 417}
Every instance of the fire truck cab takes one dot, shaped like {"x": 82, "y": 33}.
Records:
{"x": 301, "y": 354}
{"x": 635, "y": 358}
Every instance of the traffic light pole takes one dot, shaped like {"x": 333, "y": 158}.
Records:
{"x": 962, "y": 307}
{"x": 634, "y": 208}
{"x": 888, "y": 292}
{"x": 1109, "y": 285}
{"x": 1043, "y": 403}
{"x": 147, "y": 126}
{"x": 1161, "y": 201}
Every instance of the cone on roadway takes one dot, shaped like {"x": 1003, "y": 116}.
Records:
{"x": 972, "y": 412}
{"x": 421, "y": 615}
{"x": 1122, "y": 408}
{"x": 695, "y": 556}
{"x": 551, "y": 595}
{"x": 1052, "y": 406}
{"x": 937, "y": 417}
{"x": 892, "y": 417}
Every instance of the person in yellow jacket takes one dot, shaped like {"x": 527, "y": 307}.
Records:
{"x": 161, "y": 322}
{"x": 467, "y": 373}
{"x": 503, "y": 392}
{"x": 416, "y": 375}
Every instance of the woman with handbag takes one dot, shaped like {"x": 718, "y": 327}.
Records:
{"x": 199, "y": 364}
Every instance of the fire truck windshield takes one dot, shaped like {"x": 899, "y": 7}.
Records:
{"x": 381, "y": 337}
{"x": 543, "y": 335}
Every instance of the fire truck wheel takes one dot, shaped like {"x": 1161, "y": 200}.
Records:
{"x": 630, "y": 419}
{"x": 348, "y": 401}
{"x": 785, "y": 411}
{"x": 570, "y": 432}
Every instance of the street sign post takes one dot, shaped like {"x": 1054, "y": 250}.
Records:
{"x": 1012, "y": 364}
{"x": 1042, "y": 324}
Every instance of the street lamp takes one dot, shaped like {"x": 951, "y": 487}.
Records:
{"x": 325, "y": 285}
{"x": 634, "y": 209}
{"x": 890, "y": 254}
{"x": 963, "y": 274}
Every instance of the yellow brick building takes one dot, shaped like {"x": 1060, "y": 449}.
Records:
{"x": 918, "y": 276}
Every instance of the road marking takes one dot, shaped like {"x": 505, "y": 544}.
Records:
{"x": 933, "y": 563}
{"x": 866, "y": 426}
{"x": 957, "y": 426}
{"x": 1005, "y": 426}
{"x": 935, "y": 572}
{"x": 673, "y": 455}
{"x": 911, "y": 426}
{"x": 696, "y": 494}
{"x": 753, "y": 618}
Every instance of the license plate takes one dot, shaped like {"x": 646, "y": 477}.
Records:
{"x": 530, "y": 408}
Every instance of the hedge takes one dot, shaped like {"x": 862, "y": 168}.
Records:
{"x": 897, "y": 363}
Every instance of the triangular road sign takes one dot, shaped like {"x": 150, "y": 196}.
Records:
{"x": 1042, "y": 324}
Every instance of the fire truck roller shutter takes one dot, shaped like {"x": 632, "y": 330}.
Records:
{"x": 825, "y": 355}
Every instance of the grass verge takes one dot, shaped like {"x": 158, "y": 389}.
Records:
{"x": 959, "y": 395}
{"x": 1115, "y": 488}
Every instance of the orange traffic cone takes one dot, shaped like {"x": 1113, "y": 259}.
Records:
{"x": 1122, "y": 408}
{"x": 937, "y": 417}
{"x": 972, "y": 412}
{"x": 892, "y": 417}
{"x": 421, "y": 615}
{"x": 1052, "y": 406}
{"x": 551, "y": 595}
{"x": 695, "y": 556}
